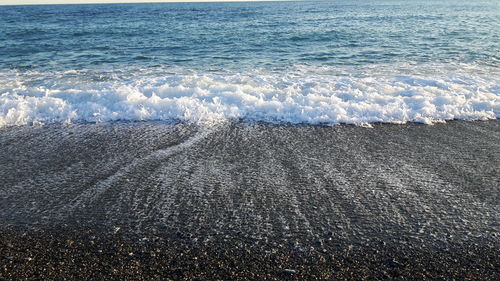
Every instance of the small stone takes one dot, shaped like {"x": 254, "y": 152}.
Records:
{"x": 289, "y": 271}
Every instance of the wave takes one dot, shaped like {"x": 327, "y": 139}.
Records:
{"x": 329, "y": 96}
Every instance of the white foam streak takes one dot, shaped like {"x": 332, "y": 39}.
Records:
{"x": 36, "y": 98}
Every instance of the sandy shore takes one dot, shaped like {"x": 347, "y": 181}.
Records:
{"x": 153, "y": 201}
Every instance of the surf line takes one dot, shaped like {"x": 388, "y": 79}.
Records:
{"x": 88, "y": 196}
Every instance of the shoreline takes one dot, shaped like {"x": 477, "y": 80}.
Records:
{"x": 250, "y": 201}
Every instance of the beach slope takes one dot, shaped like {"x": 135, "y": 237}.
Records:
{"x": 153, "y": 201}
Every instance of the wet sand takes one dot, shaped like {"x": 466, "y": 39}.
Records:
{"x": 156, "y": 201}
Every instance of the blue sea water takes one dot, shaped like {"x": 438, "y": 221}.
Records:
{"x": 314, "y": 62}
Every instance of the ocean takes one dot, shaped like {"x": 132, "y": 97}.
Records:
{"x": 332, "y": 140}
{"x": 311, "y": 62}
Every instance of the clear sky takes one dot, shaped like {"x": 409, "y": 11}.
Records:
{"x": 22, "y": 2}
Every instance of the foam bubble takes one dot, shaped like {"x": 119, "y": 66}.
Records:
{"x": 313, "y": 97}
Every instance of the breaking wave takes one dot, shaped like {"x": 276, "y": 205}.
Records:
{"x": 389, "y": 94}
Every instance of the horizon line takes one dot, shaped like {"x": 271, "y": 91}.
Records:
{"x": 97, "y": 2}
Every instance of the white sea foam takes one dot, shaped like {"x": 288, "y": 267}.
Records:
{"x": 320, "y": 97}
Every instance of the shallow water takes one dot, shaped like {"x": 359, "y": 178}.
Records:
{"x": 430, "y": 185}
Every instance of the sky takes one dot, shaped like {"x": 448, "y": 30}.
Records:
{"x": 22, "y": 2}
